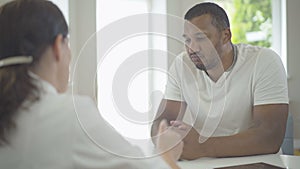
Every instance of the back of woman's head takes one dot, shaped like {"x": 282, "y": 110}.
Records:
{"x": 27, "y": 29}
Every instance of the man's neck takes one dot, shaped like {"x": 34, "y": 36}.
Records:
{"x": 228, "y": 58}
{"x": 227, "y": 61}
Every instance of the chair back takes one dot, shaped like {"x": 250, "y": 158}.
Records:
{"x": 287, "y": 146}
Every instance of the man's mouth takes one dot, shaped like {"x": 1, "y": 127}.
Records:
{"x": 196, "y": 57}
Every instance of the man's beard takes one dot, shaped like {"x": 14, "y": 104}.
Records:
{"x": 196, "y": 63}
{"x": 201, "y": 67}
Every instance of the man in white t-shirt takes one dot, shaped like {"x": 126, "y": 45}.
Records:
{"x": 237, "y": 94}
{"x": 42, "y": 127}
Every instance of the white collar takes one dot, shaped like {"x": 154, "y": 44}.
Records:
{"x": 43, "y": 85}
{"x": 234, "y": 48}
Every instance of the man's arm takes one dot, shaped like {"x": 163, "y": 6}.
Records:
{"x": 169, "y": 110}
{"x": 263, "y": 137}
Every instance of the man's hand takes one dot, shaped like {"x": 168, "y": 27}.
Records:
{"x": 263, "y": 137}
{"x": 192, "y": 147}
{"x": 168, "y": 110}
{"x": 169, "y": 142}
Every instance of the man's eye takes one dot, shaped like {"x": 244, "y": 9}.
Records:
{"x": 187, "y": 41}
{"x": 200, "y": 38}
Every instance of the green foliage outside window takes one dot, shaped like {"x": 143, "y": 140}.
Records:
{"x": 252, "y": 16}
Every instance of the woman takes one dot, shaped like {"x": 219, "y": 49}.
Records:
{"x": 40, "y": 127}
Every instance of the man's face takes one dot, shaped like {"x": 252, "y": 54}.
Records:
{"x": 203, "y": 42}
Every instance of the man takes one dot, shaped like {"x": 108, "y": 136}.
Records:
{"x": 237, "y": 94}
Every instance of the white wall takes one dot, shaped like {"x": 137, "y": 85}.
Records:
{"x": 293, "y": 60}
{"x": 82, "y": 17}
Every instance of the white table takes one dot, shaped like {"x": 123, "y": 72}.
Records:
{"x": 209, "y": 163}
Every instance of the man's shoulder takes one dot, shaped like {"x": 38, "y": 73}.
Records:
{"x": 248, "y": 51}
{"x": 247, "y": 48}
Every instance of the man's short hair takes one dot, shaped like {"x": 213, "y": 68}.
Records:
{"x": 218, "y": 14}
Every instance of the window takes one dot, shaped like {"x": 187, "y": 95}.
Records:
{"x": 110, "y": 68}
{"x": 252, "y": 22}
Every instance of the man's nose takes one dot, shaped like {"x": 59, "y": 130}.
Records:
{"x": 194, "y": 47}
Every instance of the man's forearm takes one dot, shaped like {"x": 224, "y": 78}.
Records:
{"x": 242, "y": 144}
{"x": 154, "y": 130}
{"x": 264, "y": 136}
{"x": 169, "y": 110}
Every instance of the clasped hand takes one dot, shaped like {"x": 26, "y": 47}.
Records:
{"x": 192, "y": 148}
{"x": 169, "y": 142}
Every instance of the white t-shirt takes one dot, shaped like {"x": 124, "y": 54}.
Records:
{"x": 225, "y": 107}
{"x": 56, "y": 132}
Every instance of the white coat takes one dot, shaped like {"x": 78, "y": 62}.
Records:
{"x": 67, "y": 132}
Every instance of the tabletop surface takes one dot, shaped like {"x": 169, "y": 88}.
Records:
{"x": 210, "y": 163}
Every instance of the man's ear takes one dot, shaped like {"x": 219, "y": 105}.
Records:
{"x": 226, "y": 35}
{"x": 58, "y": 47}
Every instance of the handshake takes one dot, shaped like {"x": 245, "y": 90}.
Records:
{"x": 170, "y": 140}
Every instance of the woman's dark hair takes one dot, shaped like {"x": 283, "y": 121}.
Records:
{"x": 219, "y": 17}
{"x": 27, "y": 28}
